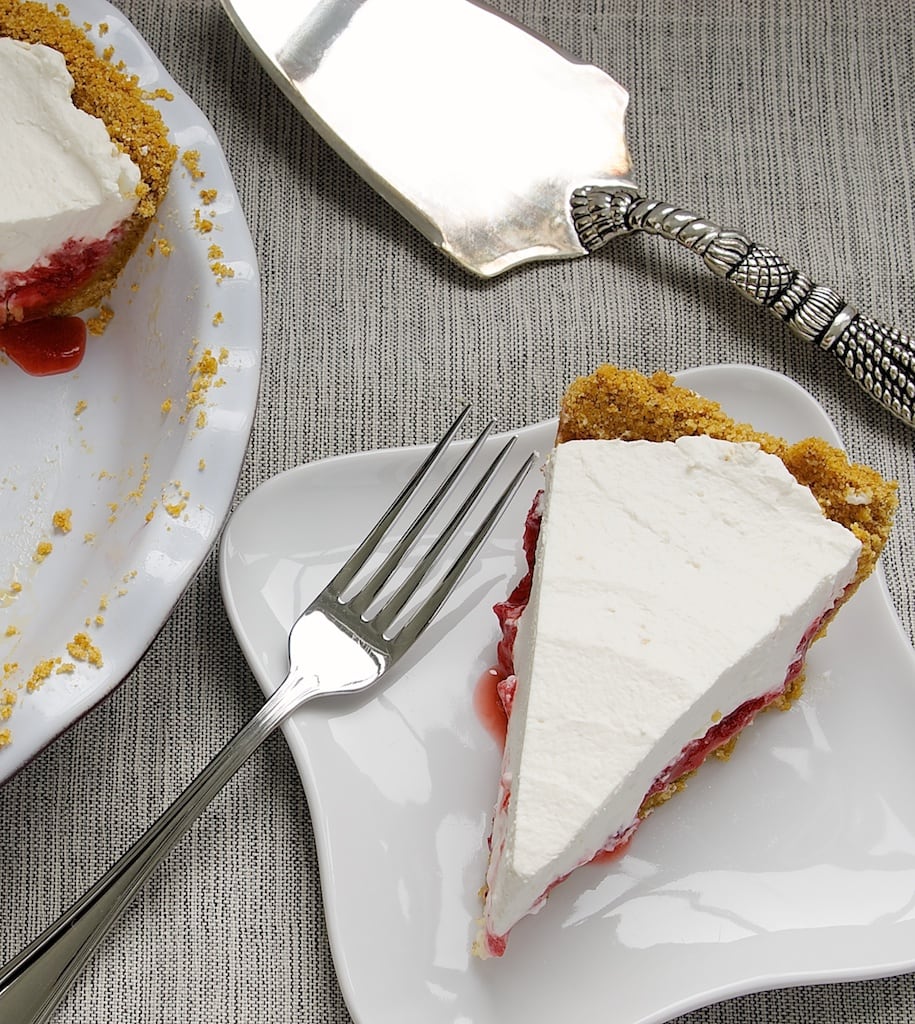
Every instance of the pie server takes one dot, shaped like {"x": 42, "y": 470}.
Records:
{"x": 500, "y": 149}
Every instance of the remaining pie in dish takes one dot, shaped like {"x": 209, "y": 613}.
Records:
{"x": 680, "y": 565}
{"x": 87, "y": 164}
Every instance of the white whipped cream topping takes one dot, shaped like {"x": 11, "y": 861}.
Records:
{"x": 673, "y": 582}
{"x": 61, "y": 176}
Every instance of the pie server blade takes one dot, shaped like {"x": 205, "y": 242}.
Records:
{"x": 501, "y": 149}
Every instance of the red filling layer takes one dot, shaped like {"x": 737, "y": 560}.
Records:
{"x": 692, "y": 755}
{"x": 36, "y": 340}
{"x": 34, "y": 293}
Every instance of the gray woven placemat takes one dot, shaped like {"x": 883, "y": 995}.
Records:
{"x": 792, "y": 120}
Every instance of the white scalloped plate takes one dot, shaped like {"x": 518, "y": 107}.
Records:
{"x": 147, "y": 487}
{"x": 792, "y": 863}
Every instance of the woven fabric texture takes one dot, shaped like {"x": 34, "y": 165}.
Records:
{"x": 792, "y": 119}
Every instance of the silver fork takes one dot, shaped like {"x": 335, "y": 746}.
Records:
{"x": 333, "y": 648}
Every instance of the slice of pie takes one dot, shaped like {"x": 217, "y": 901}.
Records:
{"x": 86, "y": 166}
{"x": 680, "y": 566}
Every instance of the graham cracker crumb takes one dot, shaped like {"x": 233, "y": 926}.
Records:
{"x": 81, "y": 648}
{"x": 7, "y": 700}
{"x": 222, "y": 271}
{"x": 96, "y": 325}
{"x": 40, "y": 673}
{"x": 139, "y": 490}
{"x": 178, "y": 503}
{"x": 203, "y": 224}
{"x": 190, "y": 158}
{"x": 204, "y": 376}
{"x": 62, "y": 520}
{"x": 42, "y": 550}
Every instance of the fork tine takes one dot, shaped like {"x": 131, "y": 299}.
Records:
{"x": 362, "y": 553}
{"x": 424, "y": 614}
{"x": 360, "y": 602}
{"x": 396, "y": 601}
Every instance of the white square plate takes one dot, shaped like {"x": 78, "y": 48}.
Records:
{"x": 792, "y": 863}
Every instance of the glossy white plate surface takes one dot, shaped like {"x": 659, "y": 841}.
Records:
{"x": 147, "y": 486}
{"x": 794, "y": 862}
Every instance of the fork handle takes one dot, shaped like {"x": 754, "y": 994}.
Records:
{"x": 34, "y": 981}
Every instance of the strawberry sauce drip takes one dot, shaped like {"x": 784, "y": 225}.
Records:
{"x": 489, "y": 706}
{"x": 45, "y": 347}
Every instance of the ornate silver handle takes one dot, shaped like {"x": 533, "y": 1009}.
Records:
{"x": 881, "y": 359}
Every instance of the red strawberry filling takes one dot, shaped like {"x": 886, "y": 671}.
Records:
{"x": 44, "y": 347}
{"x": 36, "y": 340}
{"x": 34, "y": 293}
